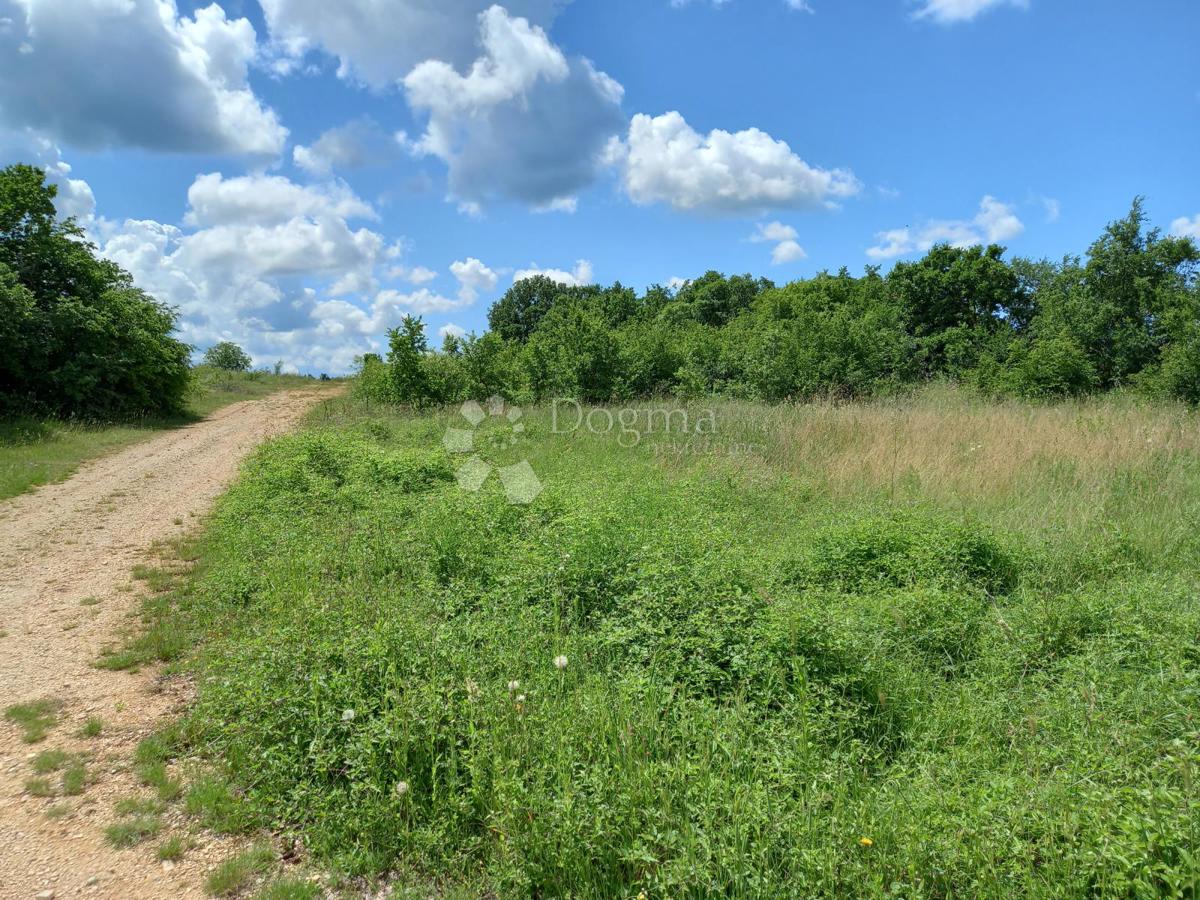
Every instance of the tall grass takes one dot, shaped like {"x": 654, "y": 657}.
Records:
{"x": 820, "y": 651}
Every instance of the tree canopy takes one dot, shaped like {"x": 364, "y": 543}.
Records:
{"x": 1126, "y": 316}
{"x": 77, "y": 336}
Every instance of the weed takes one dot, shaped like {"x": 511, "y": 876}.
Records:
{"x": 50, "y": 761}
{"x": 93, "y": 727}
{"x": 74, "y": 778}
{"x": 39, "y": 787}
{"x": 237, "y": 873}
{"x": 290, "y": 889}
{"x": 36, "y": 718}
{"x": 211, "y": 799}
{"x": 90, "y": 601}
{"x": 128, "y": 832}
{"x": 172, "y": 849}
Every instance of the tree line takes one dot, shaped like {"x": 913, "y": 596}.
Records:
{"x": 1125, "y": 316}
{"x": 77, "y": 337}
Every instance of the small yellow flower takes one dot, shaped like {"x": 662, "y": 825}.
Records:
{"x": 641, "y": 895}
{"x": 866, "y": 841}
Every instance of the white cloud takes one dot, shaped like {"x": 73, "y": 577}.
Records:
{"x": 1052, "y": 207}
{"x": 417, "y": 275}
{"x": 1185, "y": 227}
{"x": 664, "y": 160}
{"x": 380, "y": 42}
{"x": 523, "y": 123}
{"x": 948, "y": 12}
{"x": 451, "y": 329}
{"x": 580, "y": 275}
{"x": 265, "y": 199}
{"x": 272, "y": 265}
{"x": 675, "y": 282}
{"x": 358, "y": 144}
{"x": 787, "y": 249}
{"x": 473, "y": 277}
{"x": 74, "y": 196}
{"x": 798, "y": 5}
{"x": 995, "y": 221}
{"x": 107, "y": 73}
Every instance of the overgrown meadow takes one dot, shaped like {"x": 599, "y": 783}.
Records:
{"x": 913, "y": 648}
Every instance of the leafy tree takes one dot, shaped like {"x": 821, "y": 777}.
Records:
{"x": 516, "y": 314}
{"x": 406, "y": 350}
{"x": 227, "y": 356}
{"x": 86, "y": 341}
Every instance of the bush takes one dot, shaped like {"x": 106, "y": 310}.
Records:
{"x": 228, "y": 357}
{"x": 79, "y": 338}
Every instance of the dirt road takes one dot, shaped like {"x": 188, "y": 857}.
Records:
{"x": 66, "y": 551}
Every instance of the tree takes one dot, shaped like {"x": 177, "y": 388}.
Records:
{"x": 227, "y": 356}
{"x": 516, "y": 314}
{"x": 406, "y": 348}
{"x": 78, "y": 337}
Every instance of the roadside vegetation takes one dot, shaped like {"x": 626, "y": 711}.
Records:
{"x": 921, "y": 646}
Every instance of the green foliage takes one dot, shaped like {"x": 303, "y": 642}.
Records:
{"x": 1025, "y": 328}
{"x": 228, "y": 357}
{"x": 237, "y": 873}
{"x": 760, "y": 671}
{"x": 36, "y": 718}
{"x": 79, "y": 338}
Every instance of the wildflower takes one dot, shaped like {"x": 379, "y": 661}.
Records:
{"x": 348, "y": 715}
{"x": 641, "y": 895}
{"x": 401, "y": 788}
{"x": 866, "y": 841}
{"x": 514, "y": 686}
{"x": 472, "y": 689}
{"x": 560, "y": 662}
{"x": 520, "y": 698}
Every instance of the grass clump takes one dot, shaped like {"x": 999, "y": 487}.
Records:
{"x": 290, "y": 889}
{"x": 93, "y": 727}
{"x": 172, "y": 849}
{"x": 715, "y": 674}
{"x": 39, "y": 787}
{"x": 132, "y": 831}
{"x": 74, "y": 778}
{"x": 239, "y": 872}
{"x": 50, "y": 761}
{"x": 36, "y": 718}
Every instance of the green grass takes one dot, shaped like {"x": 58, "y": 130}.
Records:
{"x": 93, "y": 727}
{"x": 290, "y": 889}
{"x": 924, "y": 648}
{"x": 132, "y": 831}
{"x": 172, "y": 849}
{"x": 34, "y": 452}
{"x": 35, "y": 718}
{"x": 50, "y": 761}
{"x": 74, "y": 778}
{"x": 39, "y": 787}
{"x": 238, "y": 872}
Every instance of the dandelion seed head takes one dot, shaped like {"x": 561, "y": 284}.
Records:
{"x": 560, "y": 662}
{"x": 514, "y": 686}
{"x": 347, "y": 715}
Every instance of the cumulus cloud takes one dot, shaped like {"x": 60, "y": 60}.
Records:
{"x": 266, "y": 262}
{"x": 75, "y": 196}
{"x": 380, "y": 42}
{"x": 664, "y": 160}
{"x": 580, "y": 275}
{"x": 359, "y": 144}
{"x": 949, "y": 12}
{"x": 452, "y": 330}
{"x": 524, "y": 122}
{"x": 417, "y": 275}
{"x": 473, "y": 277}
{"x": 995, "y": 221}
{"x": 1185, "y": 227}
{"x": 787, "y": 249}
{"x": 134, "y": 73}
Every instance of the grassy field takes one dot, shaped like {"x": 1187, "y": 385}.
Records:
{"x": 920, "y": 648}
{"x": 39, "y": 451}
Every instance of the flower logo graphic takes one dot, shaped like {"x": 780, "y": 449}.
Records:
{"x": 521, "y": 484}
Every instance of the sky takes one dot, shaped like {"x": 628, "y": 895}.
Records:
{"x": 298, "y": 175}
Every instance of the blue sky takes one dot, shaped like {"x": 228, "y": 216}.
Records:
{"x": 297, "y": 175}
